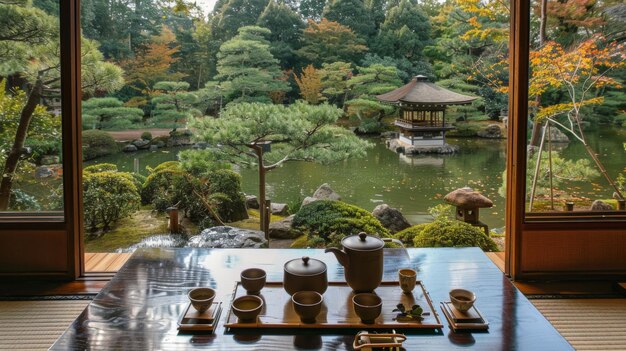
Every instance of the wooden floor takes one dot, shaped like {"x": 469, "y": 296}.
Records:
{"x": 497, "y": 258}
{"x": 105, "y": 262}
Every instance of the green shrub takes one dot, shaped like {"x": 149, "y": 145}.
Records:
{"x": 42, "y": 148}
{"x": 233, "y": 206}
{"x": 97, "y": 143}
{"x": 108, "y": 196}
{"x": 146, "y": 136}
{"x": 327, "y": 222}
{"x": 464, "y": 130}
{"x": 101, "y": 167}
{"x": 407, "y": 235}
{"x": 21, "y": 201}
{"x": 444, "y": 232}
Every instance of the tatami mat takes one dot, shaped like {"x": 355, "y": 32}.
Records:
{"x": 35, "y": 325}
{"x": 588, "y": 324}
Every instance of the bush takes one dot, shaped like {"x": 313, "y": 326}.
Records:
{"x": 97, "y": 143}
{"x": 464, "y": 130}
{"x": 101, "y": 167}
{"x": 407, "y": 235}
{"x": 146, "y": 136}
{"x": 444, "y": 232}
{"x": 327, "y": 222}
{"x": 108, "y": 196}
{"x": 233, "y": 207}
{"x": 42, "y": 148}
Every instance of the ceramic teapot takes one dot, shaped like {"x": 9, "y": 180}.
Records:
{"x": 362, "y": 259}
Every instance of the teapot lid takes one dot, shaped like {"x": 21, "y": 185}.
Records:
{"x": 305, "y": 266}
{"x": 362, "y": 242}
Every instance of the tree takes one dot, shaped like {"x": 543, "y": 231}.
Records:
{"x": 311, "y": 9}
{"x": 286, "y": 32}
{"x": 235, "y": 14}
{"x": 296, "y": 132}
{"x": 109, "y": 113}
{"x": 370, "y": 81}
{"x": 37, "y": 63}
{"x": 329, "y": 41}
{"x": 173, "y": 103}
{"x": 352, "y": 14}
{"x": 247, "y": 71}
{"x": 310, "y": 85}
{"x": 404, "y": 33}
{"x": 334, "y": 79}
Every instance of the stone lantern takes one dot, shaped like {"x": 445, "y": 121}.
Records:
{"x": 467, "y": 203}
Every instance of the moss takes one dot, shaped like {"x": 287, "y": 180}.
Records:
{"x": 97, "y": 143}
{"x": 301, "y": 242}
{"x": 327, "y": 222}
{"x": 444, "y": 232}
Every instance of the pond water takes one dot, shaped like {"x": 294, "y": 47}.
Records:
{"x": 411, "y": 184}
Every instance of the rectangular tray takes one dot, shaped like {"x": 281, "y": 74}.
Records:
{"x": 337, "y": 311}
{"x": 458, "y": 325}
{"x": 191, "y": 320}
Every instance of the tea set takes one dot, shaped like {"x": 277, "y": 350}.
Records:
{"x": 305, "y": 280}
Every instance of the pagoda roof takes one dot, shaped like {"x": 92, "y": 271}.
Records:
{"x": 420, "y": 91}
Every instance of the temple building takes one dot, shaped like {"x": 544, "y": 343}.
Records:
{"x": 422, "y": 115}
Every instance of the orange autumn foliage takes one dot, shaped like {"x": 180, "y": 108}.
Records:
{"x": 310, "y": 85}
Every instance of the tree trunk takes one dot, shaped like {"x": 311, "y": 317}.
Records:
{"x": 15, "y": 153}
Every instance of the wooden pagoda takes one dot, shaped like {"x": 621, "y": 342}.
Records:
{"x": 422, "y": 111}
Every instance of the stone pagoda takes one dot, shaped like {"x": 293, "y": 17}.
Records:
{"x": 422, "y": 116}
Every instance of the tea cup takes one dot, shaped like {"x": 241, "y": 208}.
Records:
{"x": 462, "y": 299}
{"x": 247, "y": 307}
{"x": 253, "y": 280}
{"x": 408, "y": 279}
{"x": 201, "y": 298}
{"x": 307, "y": 305}
{"x": 367, "y": 306}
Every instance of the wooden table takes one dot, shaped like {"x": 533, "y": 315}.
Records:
{"x": 139, "y": 308}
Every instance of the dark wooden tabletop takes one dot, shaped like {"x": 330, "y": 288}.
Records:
{"x": 140, "y": 307}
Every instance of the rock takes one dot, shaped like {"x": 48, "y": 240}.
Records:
{"x": 252, "y": 202}
{"x": 154, "y": 148}
{"x": 467, "y": 198}
{"x": 283, "y": 230}
{"x": 307, "y": 200}
{"x": 43, "y": 172}
{"x": 600, "y": 205}
{"x": 557, "y": 136}
{"x": 200, "y": 146}
{"x": 279, "y": 209}
{"x": 389, "y": 135}
{"x": 158, "y": 241}
{"x": 492, "y": 131}
{"x": 160, "y": 144}
{"x": 50, "y": 160}
{"x": 390, "y": 218}
{"x": 141, "y": 144}
{"x": 397, "y": 146}
{"x": 325, "y": 192}
{"x": 179, "y": 139}
{"x": 228, "y": 237}
{"x": 129, "y": 148}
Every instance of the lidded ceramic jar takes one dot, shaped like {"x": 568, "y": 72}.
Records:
{"x": 305, "y": 274}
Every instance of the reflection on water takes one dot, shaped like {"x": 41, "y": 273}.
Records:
{"x": 411, "y": 184}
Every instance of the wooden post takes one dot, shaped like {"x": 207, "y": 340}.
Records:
{"x": 264, "y": 227}
{"x": 173, "y": 213}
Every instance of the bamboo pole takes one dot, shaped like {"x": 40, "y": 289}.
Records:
{"x": 532, "y": 191}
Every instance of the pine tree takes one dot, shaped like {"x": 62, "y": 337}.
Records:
{"x": 353, "y": 14}
{"x": 173, "y": 104}
{"x": 286, "y": 32}
{"x": 247, "y": 70}
{"x": 109, "y": 113}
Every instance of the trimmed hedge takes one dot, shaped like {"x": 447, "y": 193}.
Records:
{"x": 444, "y": 232}
{"x": 97, "y": 143}
{"x": 327, "y": 222}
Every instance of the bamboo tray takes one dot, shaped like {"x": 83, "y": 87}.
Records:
{"x": 337, "y": 311}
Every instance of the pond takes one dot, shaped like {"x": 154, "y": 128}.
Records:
{"x": 411, "y": 184}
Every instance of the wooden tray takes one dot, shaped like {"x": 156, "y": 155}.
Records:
{"x": 192, "y": 320}
{"x": 337, "y": 311}
{"x": 458, "y": 324}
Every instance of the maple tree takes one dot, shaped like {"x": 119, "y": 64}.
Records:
{"x": 310, "y": 85}
{"x": 329, "y": 41}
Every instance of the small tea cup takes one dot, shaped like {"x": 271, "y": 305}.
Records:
{"x": 408, "y": 279}
{"x": 307, "y": 305}
{"x": 367, "y": 306}
{"x": 253, "y": 280}
{"x": 201, "y": 298}
{"x": 247, "y": 307}
{"x": 462, "y": 299}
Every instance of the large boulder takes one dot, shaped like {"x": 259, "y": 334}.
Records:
{"x": 141, "y": 144}
{"x": 279, "y": 209}
{"x": 492, "y": 131}
{"x": 252, "y": 202}
{"x": 600, "y": 205}
{"x": 283, "y": 230}
{"x": 50, "y": 160}
{"x": 43, "y": 172}
{"x": 129, "y": 148}
{"x": 390, "y": 218}
{"x": 324, "y": 192}
{"x": 228, "y": 237}
{"x": 557, "y": 136}
{"x": 307, "y": 200}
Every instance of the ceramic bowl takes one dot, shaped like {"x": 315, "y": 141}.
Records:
{"x": 462, "y": 299}
{"x": 367, "y": 306}
{"x": 253, "y": 280}
{"x": 247, "y": 307}
{"x": 201, "y": 298}
{"x": 307, "y": 305}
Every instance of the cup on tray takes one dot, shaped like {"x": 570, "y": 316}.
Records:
{"x": 462, "y": 299}
{"x": 201, "y": 298}
{"x": 408, "y": 279}
{"x": 367, "y": 306}
{"x": 307, "y": 305}
{"x": 253, "y": 280}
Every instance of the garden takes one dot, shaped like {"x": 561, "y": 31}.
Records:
{"x": 199, "y": 113}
